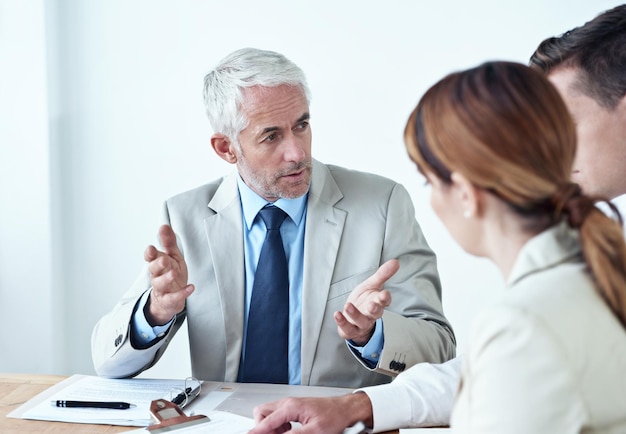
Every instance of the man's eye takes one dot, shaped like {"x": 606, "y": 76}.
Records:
{"x": 270, "y": 138}
{"x": 302, "y": 125}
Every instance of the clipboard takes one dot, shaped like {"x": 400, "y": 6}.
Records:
{"x": 169, "y": 417}
{"x": 138, "y": 391}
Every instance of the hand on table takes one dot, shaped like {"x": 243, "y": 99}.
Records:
{"x": 317, "y": 415}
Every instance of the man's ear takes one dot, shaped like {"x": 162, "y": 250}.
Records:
{"x": 223, "y": 147}
{"x": 468, "y": 194}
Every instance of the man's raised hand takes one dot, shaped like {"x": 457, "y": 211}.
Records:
{"x": 168, "y": 277}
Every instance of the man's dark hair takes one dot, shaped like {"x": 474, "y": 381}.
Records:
{"x": 597, "y": 49}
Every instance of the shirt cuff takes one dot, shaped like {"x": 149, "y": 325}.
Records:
{"x": 142, "y": 332}
{"x": 391, "y": 406}
{"x": 370, "y": 352}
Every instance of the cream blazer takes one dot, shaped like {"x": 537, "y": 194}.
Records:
{"x": 355, "y": 222}
{"x": 550, "y": 357}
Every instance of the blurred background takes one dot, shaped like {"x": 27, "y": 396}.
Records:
{"x": 101, "y": 120}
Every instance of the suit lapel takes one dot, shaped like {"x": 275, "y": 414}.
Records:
{"x": 224, "y": 231}
{"x": 324, "y": 226}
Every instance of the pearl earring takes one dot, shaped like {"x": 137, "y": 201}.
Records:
{"x": 467, "y": 214}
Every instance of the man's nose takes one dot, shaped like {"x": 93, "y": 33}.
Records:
{"x": 294, "y": 148}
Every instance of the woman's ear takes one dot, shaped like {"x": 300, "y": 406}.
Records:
{"x": 468, "y": 195}
{"x": 223, "y": 147}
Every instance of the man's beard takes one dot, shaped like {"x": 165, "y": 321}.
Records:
{"x": 272, "y": 188}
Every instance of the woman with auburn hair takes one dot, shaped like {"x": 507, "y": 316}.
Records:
{"x": 496, "y": 143}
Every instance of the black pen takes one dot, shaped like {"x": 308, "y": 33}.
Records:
{"x": 93, "y": 404}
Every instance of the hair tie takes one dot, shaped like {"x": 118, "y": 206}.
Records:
{"x": 570, "y": 200}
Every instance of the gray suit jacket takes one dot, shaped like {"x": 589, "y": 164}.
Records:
{"x": 355, "y": 221}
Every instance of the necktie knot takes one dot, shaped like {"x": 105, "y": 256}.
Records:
{"x": 273, "y": 217}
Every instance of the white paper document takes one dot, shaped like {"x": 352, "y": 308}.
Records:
{"x": 139, "y": 392}
{"x": 219, "y": 422}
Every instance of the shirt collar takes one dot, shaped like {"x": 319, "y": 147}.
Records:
{"x": 619, "y": 202}
{"x": 251, "y": 204}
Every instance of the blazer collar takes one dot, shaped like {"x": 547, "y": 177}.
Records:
{"x": 555, "y": 245}
{"x": 225, "y": 194}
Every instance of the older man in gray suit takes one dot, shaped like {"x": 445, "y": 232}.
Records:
{"x": 344, "y": 234}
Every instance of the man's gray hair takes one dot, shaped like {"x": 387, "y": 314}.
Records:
{"x": 244, "y": 68}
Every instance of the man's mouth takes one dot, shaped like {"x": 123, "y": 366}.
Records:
{"x": 295, "y": 174}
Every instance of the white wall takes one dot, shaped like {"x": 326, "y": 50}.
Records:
{"x": 26, "y": 277}
{"x": 101, "y": 119}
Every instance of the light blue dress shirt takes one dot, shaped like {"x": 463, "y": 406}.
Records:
{"x": 292, "y": 233}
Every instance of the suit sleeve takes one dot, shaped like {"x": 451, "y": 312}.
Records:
{"x": 415, "y": 329}
{"x": 112, "y": 349}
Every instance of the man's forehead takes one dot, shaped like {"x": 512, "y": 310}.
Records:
{"x": 252, "y": 94}
{"x": 270, "y": 105}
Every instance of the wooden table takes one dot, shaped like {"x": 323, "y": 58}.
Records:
{"x": 16, "y": 389}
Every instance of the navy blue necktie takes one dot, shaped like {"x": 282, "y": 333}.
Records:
{"x": 267, "y": 339}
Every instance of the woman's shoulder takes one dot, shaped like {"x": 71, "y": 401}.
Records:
{"x": 560, "y": 315}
